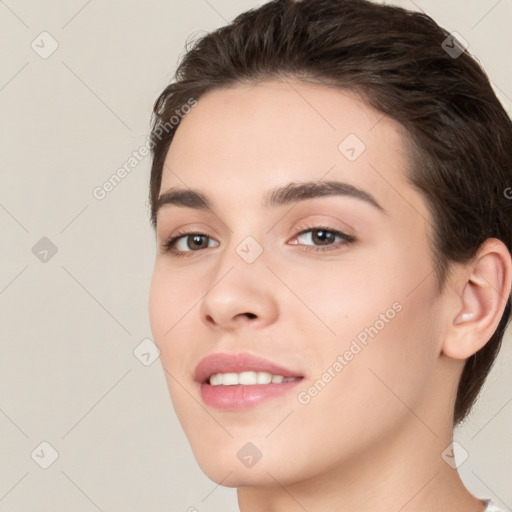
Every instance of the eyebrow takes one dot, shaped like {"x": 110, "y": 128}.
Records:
{"x": 291, "y": 193}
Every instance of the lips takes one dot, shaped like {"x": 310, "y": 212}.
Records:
{"x": 237, "y": 363}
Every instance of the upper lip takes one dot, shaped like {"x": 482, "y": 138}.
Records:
{"x": 237, "y": 363}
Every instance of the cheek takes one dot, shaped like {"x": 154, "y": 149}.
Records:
{"x": 384, "y": 327}
{"x": 160, "y": 306}
{"x": 377, "y": 382}
{"x": 170, "y": 297}
{"x": 174, "y": 301}
{"x": 168, "y": 306}
{"x": 334, "y": 301}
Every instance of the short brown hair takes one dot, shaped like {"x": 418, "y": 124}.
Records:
{"x": 459, "y": 133}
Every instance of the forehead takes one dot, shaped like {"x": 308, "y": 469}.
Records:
{"x": 239, "y": 142}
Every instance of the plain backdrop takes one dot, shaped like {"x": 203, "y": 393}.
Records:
{"x": 75, "y": 270}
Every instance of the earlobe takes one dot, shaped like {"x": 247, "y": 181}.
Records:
{"x": 485, "y": 285}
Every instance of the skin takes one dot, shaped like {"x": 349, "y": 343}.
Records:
{"x": 372, "y": 439}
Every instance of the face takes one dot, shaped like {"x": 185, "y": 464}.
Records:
{"x": 336, "y": 287}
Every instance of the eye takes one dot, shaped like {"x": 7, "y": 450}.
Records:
{"x": 184, "y": 243}
{"x": 324, "y": 236}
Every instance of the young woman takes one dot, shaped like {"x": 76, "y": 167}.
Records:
{"x": 333, "y": 275}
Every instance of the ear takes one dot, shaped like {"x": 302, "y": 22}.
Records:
{"x": 483, "y": 290}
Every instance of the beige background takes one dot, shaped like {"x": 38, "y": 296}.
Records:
{"x": 69, "y": 326}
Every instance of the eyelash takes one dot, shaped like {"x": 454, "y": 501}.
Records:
{"x": 167, "y": 246}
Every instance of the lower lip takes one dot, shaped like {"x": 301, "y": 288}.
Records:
{"x": 241, "y": 397}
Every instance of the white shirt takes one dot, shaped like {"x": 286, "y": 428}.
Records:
{"x": 491, "y": 507}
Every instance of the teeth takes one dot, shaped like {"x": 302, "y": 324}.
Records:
{"x": 247, "y": 379}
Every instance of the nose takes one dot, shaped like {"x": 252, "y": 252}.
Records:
{"x": 240, "y": 296}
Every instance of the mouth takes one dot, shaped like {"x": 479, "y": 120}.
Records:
{"x": 239, "y": 381}
{"x": 225, "y": 369}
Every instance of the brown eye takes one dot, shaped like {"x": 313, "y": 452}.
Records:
{"x": 186, "y": 243}
{"x": 196, "y": 241}
{"x": 323, "y": 236}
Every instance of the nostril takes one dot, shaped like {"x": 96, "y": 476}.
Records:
{"x": 251, "y": 315}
